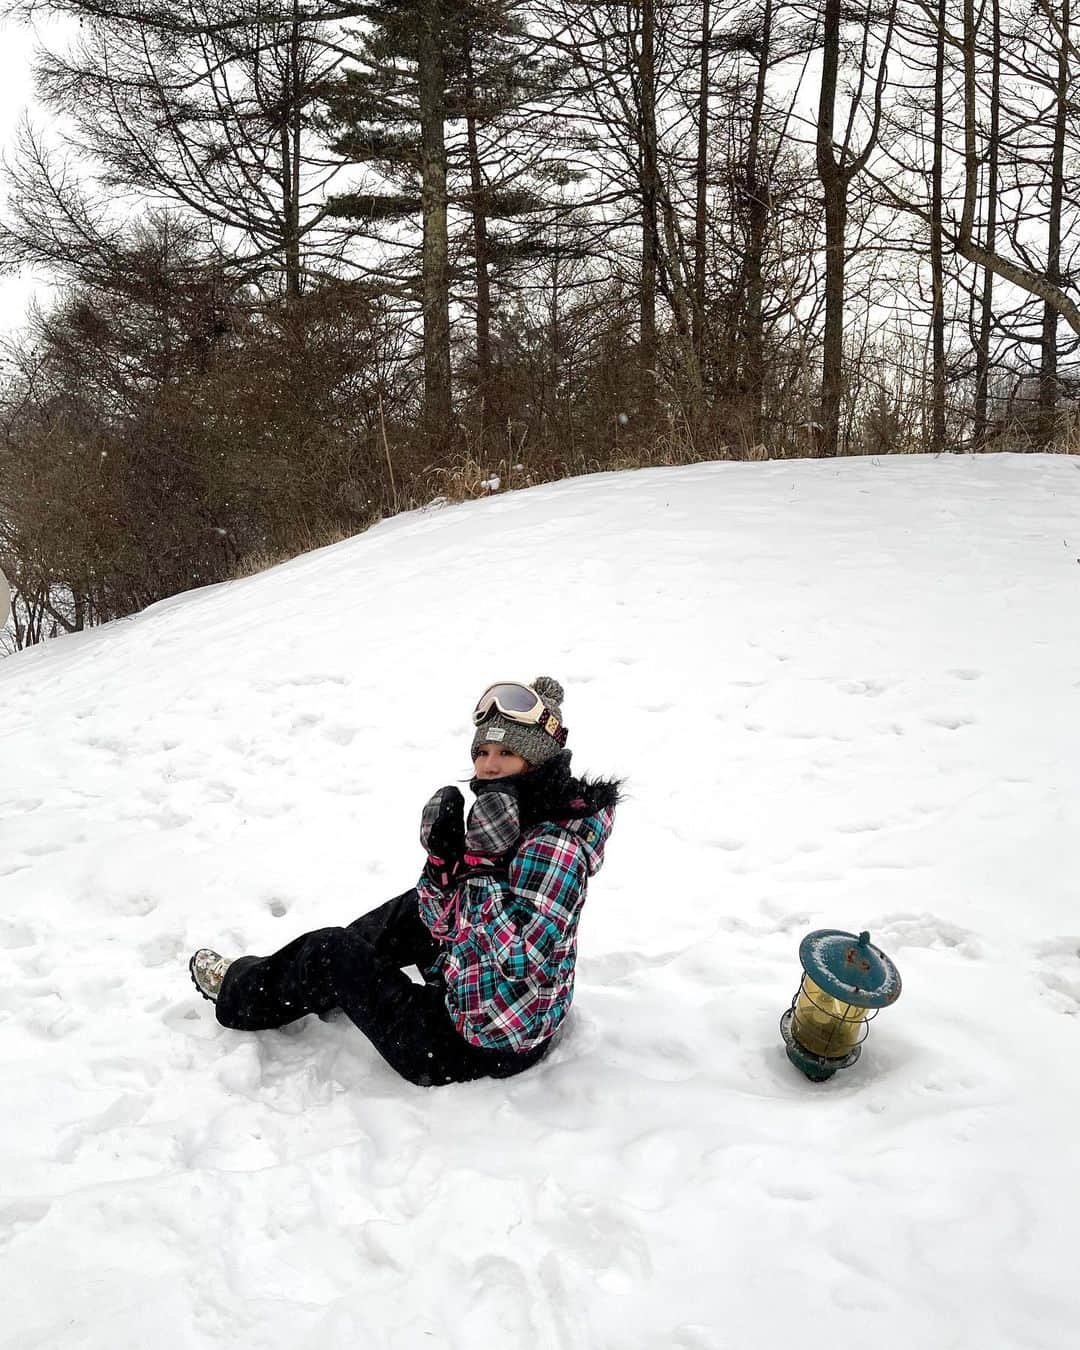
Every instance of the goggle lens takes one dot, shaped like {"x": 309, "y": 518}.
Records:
{"x": 511, "y": 698}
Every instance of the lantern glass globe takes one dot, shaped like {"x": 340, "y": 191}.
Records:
{"x": 825, "y": 1025}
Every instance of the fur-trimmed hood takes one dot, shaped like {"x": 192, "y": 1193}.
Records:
{"x": 551, "y": 792}
{"x": 584, "y": 806}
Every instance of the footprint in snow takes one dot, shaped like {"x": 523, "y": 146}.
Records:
{"x": 168, "y": 819}
{"x": 799, "y": 1192}
{"x": 304, "y": 721}
{"x": 127, "y": 1109}
{"x": 159, "y": 951}
{"x": 657, "y": 1059}
{"x": 188, "y": 1017}
{"x": 693, "y": 1336}
{"x": 341, "y": 735}
{"x": 927, "y": 930}
{"x": 14, "y": 935}
{"x": 726, "y": 843}
{"x": 43, "y": 850}
{"x": 299, "y": 681}
{"x": 501, "y": 1297}
{"x": 117, "y": 1071}
{"x": 26, "y": 803}
{"x": 615, "y": 967}
{"x": 48, "y": 1015}
{"x": 108, "y": 743}
{"x": 865, "y": 688}
{"x": 598, "y": 1237}
{"x": 782, "y": 921}
{"x": 16, "y": 1216}
{"x": 1059, "y": 970}
{"x": 137, "y": 905}
{"x": 35, "y": 963}
{"x": 950, "y": 721}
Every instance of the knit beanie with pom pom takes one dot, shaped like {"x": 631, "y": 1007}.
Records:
{"x": 532, "y": 743}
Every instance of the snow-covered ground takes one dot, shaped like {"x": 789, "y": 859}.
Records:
{"x": 845, "y": 694}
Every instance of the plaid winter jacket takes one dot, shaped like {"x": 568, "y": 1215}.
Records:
{"x": 511, "y": 933}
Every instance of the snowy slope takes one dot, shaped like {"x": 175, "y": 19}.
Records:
{"x": 844, "y": 693}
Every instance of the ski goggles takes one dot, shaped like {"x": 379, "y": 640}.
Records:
{"x": 518, "y": 703}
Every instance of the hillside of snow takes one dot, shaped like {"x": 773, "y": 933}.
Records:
{"x": 843, "y": 693}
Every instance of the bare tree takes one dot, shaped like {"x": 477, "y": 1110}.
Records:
{"x": 838, "y": 164}
{"x": 1025, "y": 275}
{"x": 212, "y": 120}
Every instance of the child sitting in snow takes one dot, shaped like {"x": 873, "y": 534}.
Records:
{"x": 491, "y": 924}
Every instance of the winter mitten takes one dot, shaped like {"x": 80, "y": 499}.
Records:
{"x": 442, "y": 833}
{"x": 442, "y": 826}
{"x": 494, "y": 825}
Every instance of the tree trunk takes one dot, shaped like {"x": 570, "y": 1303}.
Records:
{"x": 1048, "y": 369}
{"x": 480, "y": 241}
{"x": 834, "y": 187}
{"x": 555, "y": 341}
{"x": 647, "y": 353}
{"x": 832, "y": 355}
{"x": 291, "y": 131}
{"x": 936, "y": 440}
{"x": 757, "y": 194}
{"x": 435, "y": 266}
{"x": 986, "y": 309}
{"x": 677, "y": 274}
{"x": 701, "y": 184}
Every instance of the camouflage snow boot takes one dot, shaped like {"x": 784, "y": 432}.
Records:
{"x": 207, "y": 972}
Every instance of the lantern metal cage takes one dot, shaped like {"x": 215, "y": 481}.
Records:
{"x": 846, "y": 981}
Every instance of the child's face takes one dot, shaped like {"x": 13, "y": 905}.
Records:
{"x": 493, "y": 760}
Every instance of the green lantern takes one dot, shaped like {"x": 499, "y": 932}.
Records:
{"x": 846, "y": 981}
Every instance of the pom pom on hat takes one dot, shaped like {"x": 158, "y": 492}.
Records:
{"x": 551, "y": 691}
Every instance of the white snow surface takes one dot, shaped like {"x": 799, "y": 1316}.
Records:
{"x": 843, "y": 694}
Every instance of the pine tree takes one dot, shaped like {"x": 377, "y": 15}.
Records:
{"x": 442, "y": 107}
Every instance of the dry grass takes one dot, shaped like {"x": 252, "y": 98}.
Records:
{"x": 1069, "y": 444}
{"x": 469, "y": 477}
{"x": 262, "y": 559}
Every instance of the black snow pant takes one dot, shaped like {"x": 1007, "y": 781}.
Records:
{"x": 359, "y": 970}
